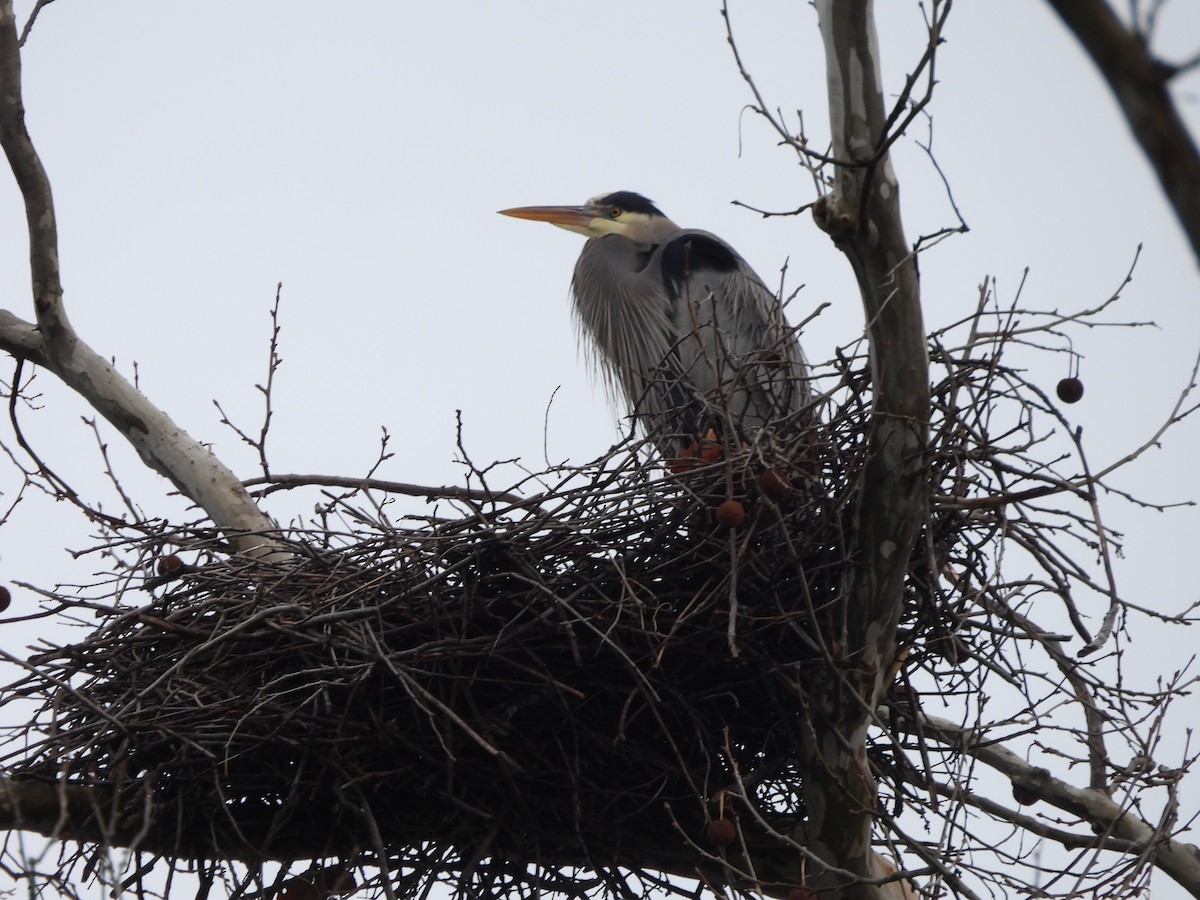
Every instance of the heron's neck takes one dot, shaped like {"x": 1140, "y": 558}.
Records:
{"x": 658, "y": 230}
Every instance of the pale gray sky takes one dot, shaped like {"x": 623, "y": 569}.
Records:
{"x": 357, "y": 152}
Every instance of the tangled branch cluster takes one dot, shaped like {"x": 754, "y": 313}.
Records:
{"x": 564, "y": 691}
{"x": 565, "y": 687}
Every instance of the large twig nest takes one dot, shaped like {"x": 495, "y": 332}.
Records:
{"x": 567, "y": 686}
{"x": 585, "y": 679}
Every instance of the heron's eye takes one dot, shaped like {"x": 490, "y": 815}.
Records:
{"x": 615, "y": 212}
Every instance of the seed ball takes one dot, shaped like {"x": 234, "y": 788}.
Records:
{"x": 709, "y": 448}
{"x": 730, "y": 514}
{"x": 1024, "y": 796}
{"x": 773, "y": 483}
{"x": 169, "y": 563}
{"x": 1070, "y": 390}
{"x": 720, "y": 832}
{"x": 5, "y": 598}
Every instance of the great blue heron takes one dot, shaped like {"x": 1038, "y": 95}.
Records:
{"x": 681, "y": 325}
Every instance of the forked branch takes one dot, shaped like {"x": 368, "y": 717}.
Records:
{"x": 53, "y": 343}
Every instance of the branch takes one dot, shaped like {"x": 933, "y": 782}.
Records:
{"x": 863, "y": 217}
{"x": 862, "y": 214}
{"x": 52, "y": 809}
{"x": 110, "y": 817}
{"x": 161, "y": 443}
{"x": 429, "y": 492}
{"x": 1140, "y": 82}
{"x": 20, "y": 339}
{"x": 37, "y": 8}
{"x": 1179, "y": 860}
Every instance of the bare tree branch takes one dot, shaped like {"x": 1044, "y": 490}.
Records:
{"x": 1140, "y": 82}
{"x": 20, "y": 339}
{"x": 1109, "y": 819}
{"x": 429, "y": 492}
{"x": 49, "y": 808}
{"x": 37, "y": 8}
{"x": 862, "y": 214}
{"x": 160, "y": 442}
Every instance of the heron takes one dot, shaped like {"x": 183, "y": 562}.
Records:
{"x": 680, "y": 326}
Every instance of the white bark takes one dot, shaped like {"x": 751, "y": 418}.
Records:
{"x": 161, "y": 443}
{"x": 1106, "y": 816}
{"x": 862, "y": 215}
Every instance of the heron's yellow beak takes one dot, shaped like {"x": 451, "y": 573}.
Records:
{"x": 566, "y": 216}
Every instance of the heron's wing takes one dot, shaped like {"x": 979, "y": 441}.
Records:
{"x": 689, "y": 335}
{"x": 735, "y": 348}
{"x": 625, "y": 318}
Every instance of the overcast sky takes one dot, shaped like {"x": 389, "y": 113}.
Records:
{"x": 357, "y": 153}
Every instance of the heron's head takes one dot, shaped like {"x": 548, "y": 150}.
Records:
{"x": 622, "y": 212}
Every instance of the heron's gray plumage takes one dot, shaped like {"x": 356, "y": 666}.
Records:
{"x": 680, "y": 325}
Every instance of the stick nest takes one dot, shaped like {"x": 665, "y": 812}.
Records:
{"x": 505, "y": 690}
